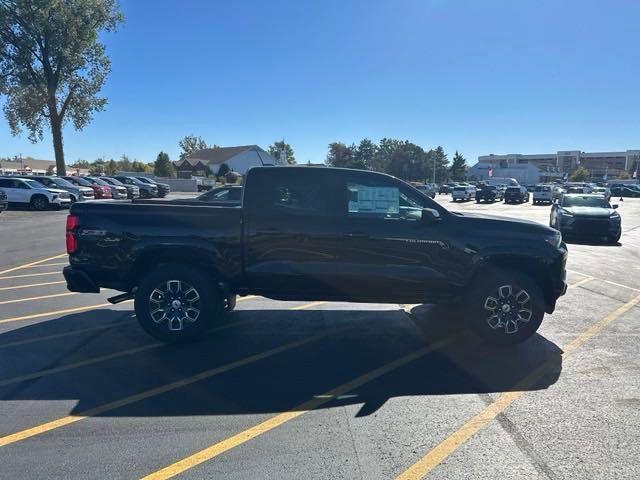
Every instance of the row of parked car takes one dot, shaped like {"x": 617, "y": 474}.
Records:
{"x": 46, "y": 192}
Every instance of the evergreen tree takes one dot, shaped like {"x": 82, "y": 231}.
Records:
{"x": 163, "y": 166}
{"x": 458, "y": 168}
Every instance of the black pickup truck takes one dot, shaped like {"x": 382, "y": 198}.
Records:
{"x": 306, "y": 233}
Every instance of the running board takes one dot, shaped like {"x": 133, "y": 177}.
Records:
{"x": 120, "y": 298}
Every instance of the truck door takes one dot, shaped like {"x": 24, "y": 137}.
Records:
{"x": 388, "y": 252}
{"x": 290, "y": 231}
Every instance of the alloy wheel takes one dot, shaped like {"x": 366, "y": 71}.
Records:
{"x": 174, "y": 303}
{"x": 507, "y": 308}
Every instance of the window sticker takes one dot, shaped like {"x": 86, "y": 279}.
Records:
{"x": 381, "y": 200}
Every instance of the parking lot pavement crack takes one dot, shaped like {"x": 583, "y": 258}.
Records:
{"x": 353, "y": 441}
{"x": 521, "y": 442}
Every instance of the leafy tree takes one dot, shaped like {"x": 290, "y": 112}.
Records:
{"x": 98, "y": 167}
{"x": 163, "y": 166}
{"x": 137, "y": 166}
{"x": 580, "y": 174}
{"x": 275, "y": 150}
{"x": 81, "y": 164}
{"x": 382, "y": 157}
{"x": 223, "y": 170}
{"x": 341, "y": 156}
{"x": 124, "y": 164}
{"x": 624, "y": 175}
{"x": 192, "y": 143}
{"x": 52, "y": 64}
{"x": 112, "y": 167}
{"x": 458, "y": 168}
{"x": 365, "y": 153}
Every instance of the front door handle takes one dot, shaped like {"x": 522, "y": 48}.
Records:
{"x": 356, "y": 235}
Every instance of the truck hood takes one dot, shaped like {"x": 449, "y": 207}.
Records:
{"x": 595, "y": 212}
{"x": 503, "y": 224}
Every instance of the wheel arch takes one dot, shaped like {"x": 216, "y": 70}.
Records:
{"x": 532, "y": 267}
{"x": 199, "y": 259}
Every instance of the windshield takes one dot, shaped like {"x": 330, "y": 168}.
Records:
{"x": 585, "y": 201}
{"x": 33, "y": 183}
{"x": 112, "y": 181}
{"x": 98, "y": 181}
{"x": 61, "y": 182}
{"x": 145, "y": 180}
{"x": 79, "y": 181}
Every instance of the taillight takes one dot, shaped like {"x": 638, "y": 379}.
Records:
{"x": 72, "y": 242}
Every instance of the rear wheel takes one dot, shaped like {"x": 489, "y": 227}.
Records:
{"x": 505, "y": 307}
{"x": 176, "y": 304}
{"x": 39, "y": 202}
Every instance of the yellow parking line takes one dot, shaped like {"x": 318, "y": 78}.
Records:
{"x": 59, "y": 264}
{"x": 27, "y": 265}
{"x": 17, "y": 287}
{"x": 57, "y": 312}
{"x": 274, "y": 422}
{"x": 30, "y": 299}
{"x": 31, "y": 275}
{"x": 581, "y": 282}
{"x": 449, "y": 445}
{"x": 153, "y": 392}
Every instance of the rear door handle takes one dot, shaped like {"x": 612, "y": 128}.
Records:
{"x": 356, "y": 235}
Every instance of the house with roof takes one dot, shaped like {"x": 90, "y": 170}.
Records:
{"x": 208, "y": 161}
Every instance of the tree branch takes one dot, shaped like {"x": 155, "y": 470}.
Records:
{"x": 67, "y": 101}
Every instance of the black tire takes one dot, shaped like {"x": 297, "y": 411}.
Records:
{"x": 477, "y": 200}
{"x": 172, "y": 322}
{"x": 229, "y": 303}
{"x": 491, "y": 307}
{"x": 39, "y": 202}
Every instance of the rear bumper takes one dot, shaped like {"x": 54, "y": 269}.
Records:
{"x": 79, "y": 281}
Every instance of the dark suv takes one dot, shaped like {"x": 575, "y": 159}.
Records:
{"x": 516, "y": 194}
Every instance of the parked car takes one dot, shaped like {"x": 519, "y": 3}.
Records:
{"x": 147, "y": 190}
{"x": 625, "y": 191}
{"x": 117, "y": 192}
{"x": 426, "y": 189}
{"x": 163, "y": 188}
{"x": 587, "y": 215}
{"x": 446, "y": 188}
{"x": 604, "y": 191}
{"x": 367, "y": 237}
{"x": 76, "y": 192}
{"x": 463, "y": 193}
{"x": 132, "y": 190}
{"x": 23, "y": 191}
{"x": 489, "y": 193}
{"x": 584, "y": 186}
{"x": 231, "y": 194}
{"x": 542, "y": 194}
{"x": 4, "y": 203}
{"x": 515, "y": 194}
{"x": 99, "y": 191}
{"x": 556, "y": 192}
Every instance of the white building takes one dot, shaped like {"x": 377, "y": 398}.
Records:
{"x": 566, "y": 161}
{"x": 210, "y": 160}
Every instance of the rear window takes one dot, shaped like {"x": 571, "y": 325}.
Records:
{"x": 513, "y": 189}
{"x": 459, "y": 189}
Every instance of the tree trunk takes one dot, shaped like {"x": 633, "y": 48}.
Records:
{"x": 56, "y": 131}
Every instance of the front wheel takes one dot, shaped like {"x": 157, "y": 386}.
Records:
{"x": 39, "y": 202}
{"x": 505, "y": 307}
{"x": 176, "y": 304}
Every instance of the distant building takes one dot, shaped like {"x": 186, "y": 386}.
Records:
{"x": 33, "y": 166}
{"x": 556, "y": 165}
{"x": 209, "y": 160}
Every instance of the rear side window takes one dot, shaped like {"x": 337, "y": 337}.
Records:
{"x": 281, "y": 191}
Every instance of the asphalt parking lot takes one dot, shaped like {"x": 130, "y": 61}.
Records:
{"x": 316, "y": 389}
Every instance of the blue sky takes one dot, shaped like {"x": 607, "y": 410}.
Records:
{"x": 477, "y": 76}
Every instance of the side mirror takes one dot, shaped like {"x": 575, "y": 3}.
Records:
{"x": 614, "y": 206}
{"x": 429, "y": 215}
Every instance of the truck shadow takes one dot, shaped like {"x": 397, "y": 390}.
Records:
{"x": 358, "y": 341}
